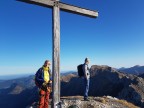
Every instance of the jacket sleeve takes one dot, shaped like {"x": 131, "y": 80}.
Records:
{"x": 39, "y": 76}
{"x": 86, "y": 71}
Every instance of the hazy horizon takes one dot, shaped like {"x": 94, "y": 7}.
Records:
{"x": 62, "y": 71}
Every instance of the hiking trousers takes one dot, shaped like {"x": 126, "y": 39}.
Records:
{"x": 86, "y": 87}
{"x": 43, "y": 99}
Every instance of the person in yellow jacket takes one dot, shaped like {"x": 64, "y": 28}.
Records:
{"x": 43, "y": 78}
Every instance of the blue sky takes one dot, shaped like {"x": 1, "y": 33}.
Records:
{"x": 115, "y": 38}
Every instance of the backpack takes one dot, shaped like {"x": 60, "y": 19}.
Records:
{"x": 35, "y": 79}
{"x": 36, "y": 83}
{"x": 80, "y": 70}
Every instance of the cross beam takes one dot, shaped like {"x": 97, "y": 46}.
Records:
{"x": 63, "y": 7}
{"x": 56, "y": 6}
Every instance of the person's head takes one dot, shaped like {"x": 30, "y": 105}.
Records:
{"x": 87, "y": 61}
{"x": 47, "y": 63}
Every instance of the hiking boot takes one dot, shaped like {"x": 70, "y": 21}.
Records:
{"x": 86, "y": 99}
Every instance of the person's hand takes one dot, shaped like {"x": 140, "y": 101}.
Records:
{"x": 44, "y": 84}
{"x": 50, "y": 81}
{"x": 49, "y": 89}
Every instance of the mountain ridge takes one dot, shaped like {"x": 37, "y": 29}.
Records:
{"x": 136, "y": 70}
{"x": 105, "y": 81}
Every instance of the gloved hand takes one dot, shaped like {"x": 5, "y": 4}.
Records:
{"x": 50, "y": 83}
{"x": 49, "y": 88}
{"x": 44, "y": 86}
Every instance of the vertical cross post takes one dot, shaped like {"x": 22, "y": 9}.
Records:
{"x": 56, "y": 55}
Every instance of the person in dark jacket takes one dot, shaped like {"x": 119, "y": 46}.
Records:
{"x": 43, "y": 79}
{"x": 86, "y": 78}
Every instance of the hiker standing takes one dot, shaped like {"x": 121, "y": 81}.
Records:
{"x": 42, "y": 78}
{"x": 86, "y": 78}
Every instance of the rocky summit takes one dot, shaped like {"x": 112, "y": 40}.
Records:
{"x": 94, "y": 102}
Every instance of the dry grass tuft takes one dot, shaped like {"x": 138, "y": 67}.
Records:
{"x": 129, "y": 105}
{"x": 102, "y": 100}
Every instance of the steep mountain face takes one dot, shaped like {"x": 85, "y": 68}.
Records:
{"x": 141, "y": 75}
{"x": 137, "y": 70}
{"x": 106, "y": 81}
{"x": 21, "y": 93}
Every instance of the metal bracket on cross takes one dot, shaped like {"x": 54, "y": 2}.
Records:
{"x": 56, "y": 3}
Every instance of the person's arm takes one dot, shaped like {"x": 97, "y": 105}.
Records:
{"x": 85, "y": 70}
{"x": 39, "y": 77}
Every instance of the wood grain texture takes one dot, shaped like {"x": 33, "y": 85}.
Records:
{"x": 64, "y": 7}
{"x": 44, "y": 3}
{"x": 56, "y": 57}
{"x": 78, "y": 10}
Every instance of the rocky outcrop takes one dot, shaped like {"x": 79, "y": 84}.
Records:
{"x": 95, "y": 102}
{"x": 134, "y": 92}
{"x": 107, "y": 81}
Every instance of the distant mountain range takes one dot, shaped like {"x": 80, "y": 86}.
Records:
{"x": 18, "y": 93}
{"x": 136, "y": 70}
{"x": 105, "y": 80}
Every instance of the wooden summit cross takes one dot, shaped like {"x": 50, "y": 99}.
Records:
{"x": 56, "y": 5}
